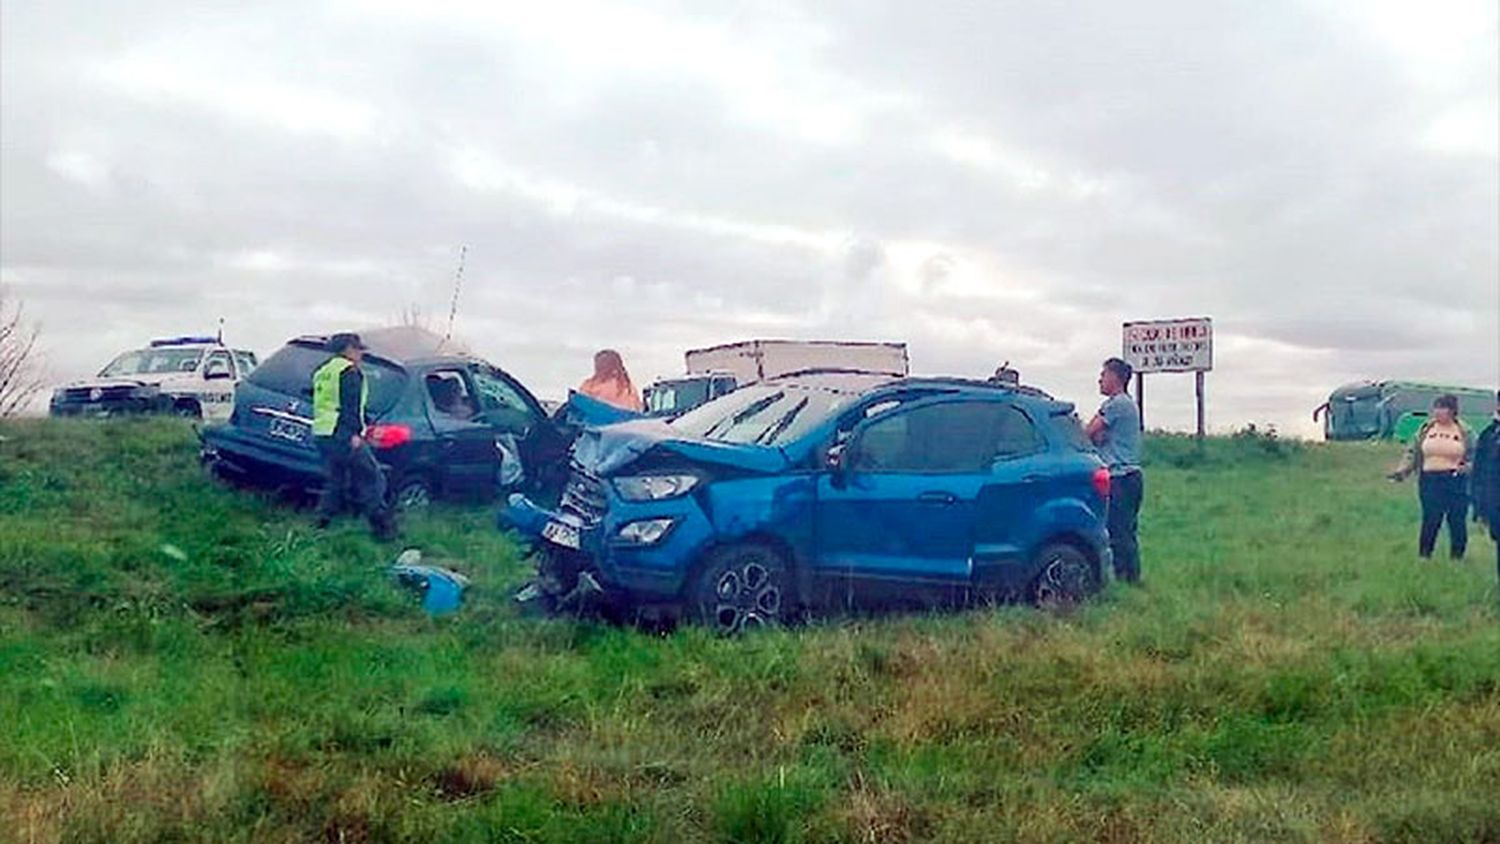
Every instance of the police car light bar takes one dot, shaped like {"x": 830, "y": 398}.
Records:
{"x": 183, "y": 341}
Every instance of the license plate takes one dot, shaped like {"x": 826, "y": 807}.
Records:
{"x": 562, "y": 534}
{"x": 286, "y": 429}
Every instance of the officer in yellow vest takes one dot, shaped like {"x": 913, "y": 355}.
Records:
{"x": 339, "y": 398}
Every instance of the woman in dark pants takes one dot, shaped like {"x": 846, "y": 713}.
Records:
{"x": 1440, "y": 455}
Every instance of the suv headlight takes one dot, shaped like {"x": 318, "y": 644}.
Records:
{"x": 655, "y": 487}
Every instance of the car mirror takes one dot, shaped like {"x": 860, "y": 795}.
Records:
{"x": 837, "y": 462}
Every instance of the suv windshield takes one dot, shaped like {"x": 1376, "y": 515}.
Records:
{"x": 768, "y": 415}
{"x": 153, "y": 362}
{"x": 290, "y": 373}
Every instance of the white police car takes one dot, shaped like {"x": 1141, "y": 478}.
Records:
{"x": 188, "y": 376}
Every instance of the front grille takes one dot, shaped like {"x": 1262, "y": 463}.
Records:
{"x": 583, "y": 497}
{"x": 86, "y": 394}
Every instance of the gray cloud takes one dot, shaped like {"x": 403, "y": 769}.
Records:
{"x": 987, "y": 181}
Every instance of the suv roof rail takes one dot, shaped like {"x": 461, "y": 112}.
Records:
{"x": 977, "y": 383}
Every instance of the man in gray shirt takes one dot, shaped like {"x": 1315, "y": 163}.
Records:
{"x": 1116, "y": 433}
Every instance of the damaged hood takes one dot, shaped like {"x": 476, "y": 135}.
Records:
{"x": 605, "y": 451}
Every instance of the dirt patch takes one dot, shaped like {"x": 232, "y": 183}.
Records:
{"x": 470, "y": 776}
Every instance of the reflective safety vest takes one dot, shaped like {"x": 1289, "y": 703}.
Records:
{"x": 326, "y": 399}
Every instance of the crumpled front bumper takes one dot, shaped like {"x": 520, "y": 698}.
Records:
{"x": 633, "y": 575}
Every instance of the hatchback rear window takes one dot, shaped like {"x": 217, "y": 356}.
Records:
{"x": 290, "y": 373}
{"x": 1072, "y": 431}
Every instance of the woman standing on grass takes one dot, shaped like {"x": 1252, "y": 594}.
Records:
{"x": 611, "y": 383}
{"x": 1440, "y": 455}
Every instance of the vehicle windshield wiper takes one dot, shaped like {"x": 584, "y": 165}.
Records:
{"x": 770, "y": 434}
{"x": 750, "y": 410}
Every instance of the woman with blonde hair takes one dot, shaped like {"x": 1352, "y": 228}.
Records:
{"x": 611, "y": 383}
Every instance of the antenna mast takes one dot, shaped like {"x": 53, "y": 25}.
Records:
{"x": 458, "y": 282}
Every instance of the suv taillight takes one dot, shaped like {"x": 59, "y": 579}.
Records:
{"x": 1101, "y": 482}
{"x": 389, "y": 436}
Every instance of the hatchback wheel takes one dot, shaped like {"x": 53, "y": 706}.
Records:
{"x": 412, "y": 494}
{"x": 740, "y": 588}
{"x": 1065, "y": 576}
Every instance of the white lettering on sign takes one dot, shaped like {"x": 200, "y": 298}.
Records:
{"x": 1171, "y": 345}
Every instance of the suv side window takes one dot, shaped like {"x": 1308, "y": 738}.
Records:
{"x": 953, "y": 438}
{"x": 218, "y": 365}
{"x": 450, "y": 394}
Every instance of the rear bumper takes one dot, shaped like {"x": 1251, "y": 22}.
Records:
{"x": 261, "y": 464}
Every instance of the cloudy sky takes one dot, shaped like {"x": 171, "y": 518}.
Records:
{"x": 985, "y": 181}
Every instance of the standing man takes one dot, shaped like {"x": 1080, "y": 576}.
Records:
{"x": 340, "y": 395}
{"x": 1486, "y": 480}
{"x": 1116, "y": 431}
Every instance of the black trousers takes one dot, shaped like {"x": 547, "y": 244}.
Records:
{"x": 1444, "y": 496}
{"x": 353, "y": 478}
{"x": 1125, "y": 493}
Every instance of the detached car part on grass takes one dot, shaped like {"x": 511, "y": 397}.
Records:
{"x": 444, "y": 423}
{"x": 186, "y": 376}
{"x": 825, "y": 491}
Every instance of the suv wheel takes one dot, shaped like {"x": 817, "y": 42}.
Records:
{"x": 1065, "y": 576}
{"x": 742, "y": 587}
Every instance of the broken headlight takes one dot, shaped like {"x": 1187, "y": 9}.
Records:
{"x": 654, "y": 487}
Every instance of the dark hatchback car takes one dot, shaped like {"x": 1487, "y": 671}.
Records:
{"x": 443, "y": 424}
{"x": 827, "y": 490}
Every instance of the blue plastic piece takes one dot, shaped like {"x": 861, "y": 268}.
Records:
{"x": 442, "y": 589}
{"x": 182, "y": 341}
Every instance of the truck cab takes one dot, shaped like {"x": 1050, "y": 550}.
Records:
{"x": 719, "y": 370}
{"x": 673, "y": 397}
{"x": 187, "y": 376}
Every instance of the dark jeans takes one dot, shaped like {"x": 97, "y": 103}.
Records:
{"x": 1125, "y": 494}
{"x": 1444, "y": 495}
{"x": 353, "y": 477}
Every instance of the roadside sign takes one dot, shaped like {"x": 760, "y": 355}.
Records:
{"x": 1170, "y": 345}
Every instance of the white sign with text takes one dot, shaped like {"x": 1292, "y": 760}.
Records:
{"x": 1170, "y": 345}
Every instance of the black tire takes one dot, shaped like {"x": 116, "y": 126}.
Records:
{"x": 412, "y": 493}
{"x": 741, "y": 587}
{"x": 1065, "y": 576}
{"x": 187, "y": 409}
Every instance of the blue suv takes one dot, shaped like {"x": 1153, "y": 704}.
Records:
{"x": 826, "y": 490}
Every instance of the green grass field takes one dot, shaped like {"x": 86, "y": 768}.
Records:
{"x": 1291, "y": 672}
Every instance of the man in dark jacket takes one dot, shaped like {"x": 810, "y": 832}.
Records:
{"x": 1486, "y": 480}
{"x": 340, "y": 395}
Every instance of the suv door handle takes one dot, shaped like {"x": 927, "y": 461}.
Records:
{"x": 1031, "y": 479}
{"x": 938, "y": 497}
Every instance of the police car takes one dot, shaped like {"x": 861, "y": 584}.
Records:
{"x": 187, "y": 376}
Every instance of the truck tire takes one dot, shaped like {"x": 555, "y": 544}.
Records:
{"x": 1065, "y": 576}
{"x": 740, "y": 587}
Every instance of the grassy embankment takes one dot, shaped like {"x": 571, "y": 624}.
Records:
{"x": 1291, "y": 672}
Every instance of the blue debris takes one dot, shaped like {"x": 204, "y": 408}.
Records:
{"x": 442, "y": 589}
